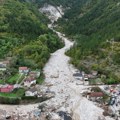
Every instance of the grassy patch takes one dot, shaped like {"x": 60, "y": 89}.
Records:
{"x": 2, "y": 81}
{"x": 111, "y": 81}
{"x": 41, "y": 79}
{"x": 95, "y": 81}
{"x": 13, "y": 79}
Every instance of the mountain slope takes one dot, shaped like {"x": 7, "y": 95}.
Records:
{"x": 95, "y": 25}
{"x": 24, "y": 34}
{"x": 64, "y": 3}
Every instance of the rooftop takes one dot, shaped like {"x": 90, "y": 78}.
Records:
{"x": 29, "y": 79}
{"x": 96, "y": 94}
{"x": 23, "y": 68}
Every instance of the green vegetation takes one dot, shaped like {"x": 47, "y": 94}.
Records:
{"x": 95, "y": 26}
{"x": 2, "y": 81}
{"x": 95, "y": 81}
{"x": 18, "y": 25}
{"x": 21, "y": 24}
{"x": 24, "y": 36}
{"x": 12, "y": 98}
{"x": 39, "y": 3}
{"x": 20, "y": 79}
{"x": 13, "y": 79}
{"x": 110, "y": 81}
{"x": 40, "y": 79}
{"x": 36, "y": 54}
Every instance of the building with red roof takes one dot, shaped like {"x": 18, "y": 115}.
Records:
{"x": 7, "y": 89}
{"x": 23, "y": 70}
{"x": 95, "y": 95}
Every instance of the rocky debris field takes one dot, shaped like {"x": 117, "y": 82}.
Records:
{"x": 68, "y": 102}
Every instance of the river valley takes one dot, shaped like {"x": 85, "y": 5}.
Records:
{"x": 68, "y": 95}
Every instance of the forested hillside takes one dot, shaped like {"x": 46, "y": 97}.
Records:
{"x": 64, "y": 3}
{"x": 95, "y": 25}
{"x": 24, "y": 34}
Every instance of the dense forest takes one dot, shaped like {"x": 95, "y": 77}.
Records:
{"x": 24, "y": 34}
{"x": 95, "y": 25}
{"x": 64, "y": 3}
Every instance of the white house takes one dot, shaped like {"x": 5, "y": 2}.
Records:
{"x": 2, "y": 66}
{"x": 3, "y": 69}
{"x": 23, "y": 70}
{"x": 31, "y": 92}
{"x": 29, "y": 81}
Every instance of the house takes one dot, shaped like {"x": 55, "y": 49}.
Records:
{"x": 2, "y": 66}
{"x": 6, "y": 63}
{"x": 35, "y": 74}
{"x": 29, "y": 81}
{"x": 23, "y": 70}
{"x": 7, "y": 89}
{"x": 78, "y": 76}
{"x": 86, "y": 77}
{"x": 95, "y": 95}
{"x": 90, "y": 76}
{"x": 94, "y": 73}
{"x": 31, "y": 92}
